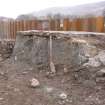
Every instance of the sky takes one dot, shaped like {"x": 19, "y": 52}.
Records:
{"x": 13, "y": 8}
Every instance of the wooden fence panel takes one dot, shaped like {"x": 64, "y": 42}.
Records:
{"x": 73, "y": 28}
{"x": 92, "y": 24}
{"x": 85, "y": 24}
{"x": 66, "y": 24}
{"x": 8, "y": 28}
{"x": 100, "y": 24}
{"x": 57, "y": 24}
{"x": 79, "y": 24}
{"x": 52, "y": 24}
{"x": 39, "y": 25}
{"x": 34, "y": 24}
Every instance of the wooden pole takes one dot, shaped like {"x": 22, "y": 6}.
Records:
{"x": 52, "y": 66}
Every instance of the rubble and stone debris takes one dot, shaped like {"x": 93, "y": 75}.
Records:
{"x": 6, "y": 49}
{"x": 101, "y": 56}
{"x": 97, "y": 60}
{"x": 93, "y": 62}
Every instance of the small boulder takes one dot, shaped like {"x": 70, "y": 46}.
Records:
{"x": 101, "y": 56}
{"x": 35, "y": 83}
{"x": 1, "y": 99}
{"x": 93, "y": 62}
{"x": 49, "y": 89}
{"x": 63, "y": 96}
{"x": 15, "y": 58}
{"x": 65, "y": 70}
{"x": 101, "y": 73}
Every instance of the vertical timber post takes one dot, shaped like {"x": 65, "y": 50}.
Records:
{"x": 52, "y": 66}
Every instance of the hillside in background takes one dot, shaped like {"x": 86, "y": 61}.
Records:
{"x": 5, "y": 18}
{"x": 95, "y": 9}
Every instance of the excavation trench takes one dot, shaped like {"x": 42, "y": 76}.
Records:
{"x": 60, "y": 48}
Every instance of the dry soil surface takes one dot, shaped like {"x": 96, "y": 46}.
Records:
{"x": 77, "y": 86}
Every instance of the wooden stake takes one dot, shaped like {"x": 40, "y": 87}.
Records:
{"x": 52, "y": 66}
